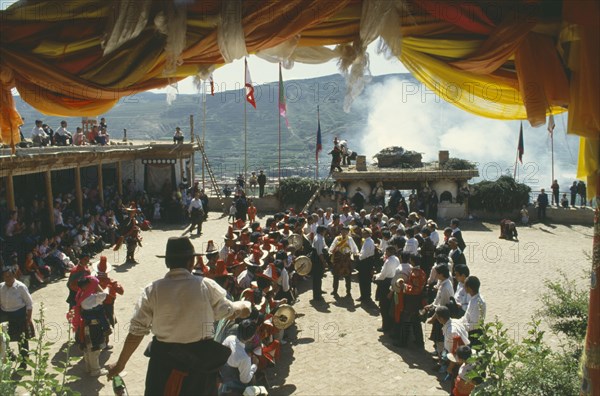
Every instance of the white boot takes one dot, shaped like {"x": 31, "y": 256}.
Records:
{"x": 95, "y": 369}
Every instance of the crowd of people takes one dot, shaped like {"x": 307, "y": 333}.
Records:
{"x": 43, "y": 135}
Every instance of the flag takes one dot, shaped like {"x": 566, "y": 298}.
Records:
{"x": 282, "y": 107}
{"x": 319, "y": 141}
{"x": 521, "y": 148}
{"x": 249, "y": 87}
{"x": 212, "y": 86}
{"x": 551, "y": 125}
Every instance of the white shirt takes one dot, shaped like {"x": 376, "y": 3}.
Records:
{"x": 475, "y": 312}
{"x": 412, "y": 246}
{"x": 389, "y": 268}
{"x": 284, "y": 280}
{"x": 38, "y": 131}
{"x": 180, "y": 308}
{"x": 445, "y": 291}
{"x": 383, "y": 244}
{"x": 15, "y": 297}
{"x": 240, "y": 359}
{"x": 461, "y": 296}
{"x": 196, "y": 203}
{"x": 345, "y": 219}
{"x": 435, "y": 238}
{"x": 351, "y": 245}
{"x": 319, "y": 244}
{"x": 63, "y": 132}
{"x": 368, "y": 248}
{"x": 453, "y": 329}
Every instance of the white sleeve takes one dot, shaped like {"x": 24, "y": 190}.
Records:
{"x": 247, "y": 370}
{"x": 285, "y": 281}
{"x": 353, "y": 246}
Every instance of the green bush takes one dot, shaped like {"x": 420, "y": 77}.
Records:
{"x": 458, "y": 164}
{"x": 566, "y": 307}
{"x": 296, "y": 191}
{"x": 506, "y": 367}
{"x": 504, "y": 194}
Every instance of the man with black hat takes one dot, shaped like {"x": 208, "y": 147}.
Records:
{"x": 180, "y": 310}
{"x": 262, "y": 181}
{"x": 319, "y": 262}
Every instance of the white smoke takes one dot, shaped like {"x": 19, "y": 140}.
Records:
{"x": 404, "y": 113}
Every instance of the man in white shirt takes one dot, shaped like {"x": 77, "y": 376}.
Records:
{"x": 16, "y": 307}
{"x": 62, "y": 136}
{"x": 476, "y": 309}
{"x": 38, "y": 136}
{"x": 412, "y": 245}
{"x": 365, "y": 266}
{"x": 384, "y": 281}
{"x": 342, "y": 249}
{"x": 454, "y": 332}
{"x": 240, "y": 368}
{"x": 183, "y": 353}
{"x": 196, "y": 213}
{"x": 435, "y": 235}
{"x": 345, "y": 216}
{"x": 442, "y": 298}
{"x": 462, "y": 298}
{"x": 319, "y": 263}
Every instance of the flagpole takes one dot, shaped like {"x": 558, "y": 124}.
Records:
{"x": 552, "y": 149}
{"x": 317, "y": 170}
{"x": 515, "y": 170}
{"x": 245, "y": 141}
{"x": 279, "y": 123}
{"x": 203, "y": 127}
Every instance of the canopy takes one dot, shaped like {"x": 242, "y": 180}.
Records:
{"x": 519, "y": 59}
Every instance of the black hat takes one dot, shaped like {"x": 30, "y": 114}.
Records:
{"x": 179, "y": 247}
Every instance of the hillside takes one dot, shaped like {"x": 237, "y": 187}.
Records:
{"x": 146, "y": 116}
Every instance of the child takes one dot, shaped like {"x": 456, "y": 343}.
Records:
{"x": 231, "y": 213}
{"x": 251, "y": 212}
{"x": 463, "y": 386}
{"x": 524, "y": 215}
{"x": 564, "y": 202}
{"x": 111, "y": 288}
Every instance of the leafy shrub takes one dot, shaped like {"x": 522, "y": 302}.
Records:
{"x": 566, "y": 307}
{"x": 296, "y": 191}
{"x": 506, "y": 367}
{"x": 504, "y": 194}
{"x": 458, "y": 164}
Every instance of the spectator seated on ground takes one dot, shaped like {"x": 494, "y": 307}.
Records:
{"x": 508, "y": 230}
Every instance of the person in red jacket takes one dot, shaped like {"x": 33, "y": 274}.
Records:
{"x": 111, "y": 288}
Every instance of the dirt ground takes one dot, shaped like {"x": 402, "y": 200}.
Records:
{"x": 335, "y": 348}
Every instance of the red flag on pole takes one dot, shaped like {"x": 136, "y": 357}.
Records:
{"x": 249, "y": 86}
{"x": 212, "y": 86}
{"x": 551, "y": 125}
{"x": 282, "y": 106}
{"x": 319, "y": 141}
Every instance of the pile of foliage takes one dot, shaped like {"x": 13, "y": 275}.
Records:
{"x": 458, "y": 164}
{"x": 397, "y": 157}
{"x": 296, "y": 191}
{"x": 504, "y": 194}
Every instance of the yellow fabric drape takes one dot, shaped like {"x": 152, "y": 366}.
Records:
{"x": 483, "y": 95}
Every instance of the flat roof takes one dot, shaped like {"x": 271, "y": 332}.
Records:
{"x": 429, "y": 172}
{"x": 39, "y": 159}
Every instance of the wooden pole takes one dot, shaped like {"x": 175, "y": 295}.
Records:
{"x": 10, "y": 192}
{"x": 194, "y": 151}
{"x": 181, "y": 174}
{"x": 49, "y": 198}
{"x": 100, "y": 183}
{"x": 119, "y": 178}
{"x": 78, "y": 192}
{"x": 203, "y": 127}
{"x": 589, "y": 360}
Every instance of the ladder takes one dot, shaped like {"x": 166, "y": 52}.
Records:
{"x": 211, "y": 175}
{"x": 316, "y": 194}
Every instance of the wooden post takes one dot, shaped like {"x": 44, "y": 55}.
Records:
{"x": 49, "y": 198}
{"x": 10, "y": 192}
{"x": 78, "y": 192}
{"x": 192, "y": 128}
{"x": 181, "y": 174}
{"x": 119, "y": 179}
{"x": 192, "y": 161}
{"x": 100, "y": 183}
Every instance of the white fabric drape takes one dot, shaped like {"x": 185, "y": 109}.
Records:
{"x": 230, "y": 32}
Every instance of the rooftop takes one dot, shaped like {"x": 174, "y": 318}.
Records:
{"x": 428, "y": 172}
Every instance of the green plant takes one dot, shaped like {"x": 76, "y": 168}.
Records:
{"x": 458, "y": 164}
{"x": 504, "y": 194}
{"x": 566, "y": 307}
{"x": 296, "y": 191}
{"x": 7, "y": 385}
{"x": 505, "y": 367}
{"x": 43, "y": 381}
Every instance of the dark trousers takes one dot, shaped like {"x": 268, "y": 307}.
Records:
{"x": 409, "y": 322}
{"x": 556, "y": 199}
{"x": 365, "y": 271}
{"x": 18, "y": 330}
{"x": 334, "y": 166}
{"x": 261, "y": 190}
{"x": 387, "y": 322}
{"x": 336, "y": 282}
{"x": 317, "y": 277}
{"x": 573, "y": 198}
{"x": 542, "y": 213}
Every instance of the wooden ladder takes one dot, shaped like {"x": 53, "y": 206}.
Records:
{"x": 211, "y": 175}
{"x": 316, "y": 194}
